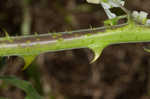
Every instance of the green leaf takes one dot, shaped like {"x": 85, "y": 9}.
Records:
{"x": 111, "y": 22}
{"x": 114, "y": 21}
{"x": 24, "y": 85}
{"x": 3, "y": 98}
{"x": 33, "y": 73}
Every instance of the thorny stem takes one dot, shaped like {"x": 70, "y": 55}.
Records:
{"x": 96, "y": 39}
{"x": 20, "y": 43}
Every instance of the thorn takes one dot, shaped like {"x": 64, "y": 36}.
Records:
{"x": 6, "y": 34}
{"x": 96, "y": 56}
{"x": 146, "y": 49}
{"x": 36, "y": 33}
{"x": 28, "y": 59}
{"x": 97, "y": 52}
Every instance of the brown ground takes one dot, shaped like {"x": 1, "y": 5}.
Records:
{"x": 122, "y": 72}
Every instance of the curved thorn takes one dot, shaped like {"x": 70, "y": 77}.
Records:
{"x": 146, "y": 49}
{"x": 96, "y": 56}
{"x": 97, "y": 52}
{"x": 28, "y": 59}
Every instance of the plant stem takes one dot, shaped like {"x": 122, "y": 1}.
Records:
{"x": 35, "y": 44}
{"x": 96, "y": 39}
{"x": 26, "y": 23}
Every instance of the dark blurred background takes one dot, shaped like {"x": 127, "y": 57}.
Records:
{"x": 122, "y": 71}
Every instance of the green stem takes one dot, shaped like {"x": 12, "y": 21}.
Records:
{"x": 35, "y": 44}
{"x": 26, "y": 23}
{"x": 96, "y": 39}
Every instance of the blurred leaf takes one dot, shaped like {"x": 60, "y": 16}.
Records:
{"x": 34, "y": 74}
{"x": 114, "y": 21}
{"x": 111, "y": 22}
{"x": 3, "y": 98}
{"x": 24, "y": 85}
{"x": 2, "y": 62}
